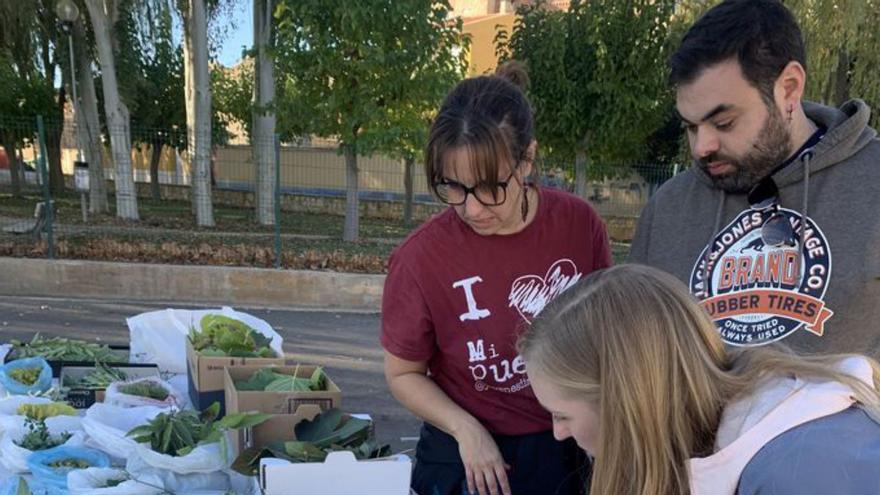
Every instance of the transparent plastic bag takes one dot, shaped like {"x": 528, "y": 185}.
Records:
{"x": 115, "y": 397}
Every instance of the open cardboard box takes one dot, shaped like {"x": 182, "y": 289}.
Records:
{"x": 206, "y": 375}
{"x": 339, "y": 474}
{"x": 287, "y": 408}
{"x": 286, "y": 402}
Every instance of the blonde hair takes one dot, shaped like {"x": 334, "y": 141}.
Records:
{"x": 633, "y": 340}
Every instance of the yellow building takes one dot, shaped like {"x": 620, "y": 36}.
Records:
{"x": 481, "y": 22}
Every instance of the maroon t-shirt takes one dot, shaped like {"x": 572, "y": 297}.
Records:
{"x": 458, "y": 300}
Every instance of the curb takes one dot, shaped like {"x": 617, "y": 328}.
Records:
{"x": 232, "y": 286}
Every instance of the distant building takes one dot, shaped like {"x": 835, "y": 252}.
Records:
{"x": 481, "y": 22}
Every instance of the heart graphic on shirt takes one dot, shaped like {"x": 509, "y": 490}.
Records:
{"x": 530, "y": 293}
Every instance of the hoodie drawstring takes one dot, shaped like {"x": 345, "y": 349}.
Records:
{"x": 805, "y": 159}
{"x": 718, "y": 213}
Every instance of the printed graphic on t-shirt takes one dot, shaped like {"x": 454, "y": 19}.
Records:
{"x": 755, "y": 293}
{"x": 489, "y": 368}
{"x": 530, "y": 293}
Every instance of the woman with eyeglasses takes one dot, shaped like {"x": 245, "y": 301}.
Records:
{"x": 462, "y": 287}
{"x": 633, "y": 368}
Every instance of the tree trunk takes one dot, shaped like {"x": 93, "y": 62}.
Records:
{"x": 116, "y": 113}
{"x": 155, "y": 156}
{"x": 189, "y": 104}
{"x": 54, "y": 130}
{"x": 350, "y": 231}
{"x": 580, "y": 173}
{"x": 408, "y": 163}
{"x": 263, "y": 139}
{"x": 841, "y": 82}
{"x": 88, "y": 122}
{"x": 14, "y": 167}
{"x": 198, "y": 112}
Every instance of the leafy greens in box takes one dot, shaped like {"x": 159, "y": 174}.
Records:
{"x": 268, "y": 380}
{"x": 330, "y": 431}
{"x": 222, "y": 336}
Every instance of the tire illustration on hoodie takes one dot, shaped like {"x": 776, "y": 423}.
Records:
{"x": 755, "y": 293}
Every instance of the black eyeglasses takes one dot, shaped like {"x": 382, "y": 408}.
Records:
{"x": 776, "y": 231}
{"x": 453, "y": 193}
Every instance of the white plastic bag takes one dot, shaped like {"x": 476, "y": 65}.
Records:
{"x": 160, "y": 336}
{"x": 115, "y": 397}
{"x": 203, "y": 459}
{"x": 14, "y": 458}
{"x": 93, "y": 481}
{"x": 215, "y": 482}
{"x": 107, "y": 427}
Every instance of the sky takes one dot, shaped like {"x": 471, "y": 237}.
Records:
{"x": 239, "y": 34}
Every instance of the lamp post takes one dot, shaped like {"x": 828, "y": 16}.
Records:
{"x": 68, "y": 13}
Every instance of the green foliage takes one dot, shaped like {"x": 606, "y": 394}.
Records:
{"x": 842, "y": 39}
{"x": 100, "y": 378}
{"x": 38, "y": 437}
{"x": 145, "y": 388}
{"x": 271, "y": 381}
{"x": 328, "y": 432}
{"x": 61, "y": 349}
{"x": 367, "y": 72}
{"x": 597, "y": 75}
{"x": 177, "y": 433}
{"x": 225, "y": 336}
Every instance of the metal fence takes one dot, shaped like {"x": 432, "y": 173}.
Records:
{"x": 299, "y": 195}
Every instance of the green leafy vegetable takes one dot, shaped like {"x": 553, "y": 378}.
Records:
{"x": 224, "y": 336}
{"x": 269, "y": 380}
{"x": 145, "y": 388}
{"x": 38, "y": 437}
{"x": 330, "y": 431}
{"x": 100, "y": 378}
{"x": 61, "y": 349}
{"x": 177, "y": 433}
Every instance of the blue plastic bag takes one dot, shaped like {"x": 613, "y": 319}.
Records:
{"x": 33, "y": 487}
{"x": 13, "y": 386}
{"x": 39, "y": 463}
{"x": 10, "y": 487}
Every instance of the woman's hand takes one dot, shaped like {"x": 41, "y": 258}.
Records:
{"x": 484, "y": 467}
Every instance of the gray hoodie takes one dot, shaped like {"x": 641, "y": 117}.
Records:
{"x": 821, "y": 295}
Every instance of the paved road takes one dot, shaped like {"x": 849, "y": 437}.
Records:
{"x": 346, "y": 343}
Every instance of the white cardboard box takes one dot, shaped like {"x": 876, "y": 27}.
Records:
{"x": 339, "y": 474}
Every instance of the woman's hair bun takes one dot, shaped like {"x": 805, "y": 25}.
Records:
{"x": 515, "y": 72}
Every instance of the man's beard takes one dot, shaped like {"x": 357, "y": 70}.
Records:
{"x": 772, "y": 148}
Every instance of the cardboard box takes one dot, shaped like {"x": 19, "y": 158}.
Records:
{"x": 83, "y": 398}
{"x": 277, "y": 402}
{"x": 206, "y": 376}
{"x": 278, "y": 428}
{"x": 339, "y": 474}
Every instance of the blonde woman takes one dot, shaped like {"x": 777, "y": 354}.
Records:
{"x": 630, "y": 365}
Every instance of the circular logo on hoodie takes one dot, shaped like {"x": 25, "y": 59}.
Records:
{"x": 758, "y": 294}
